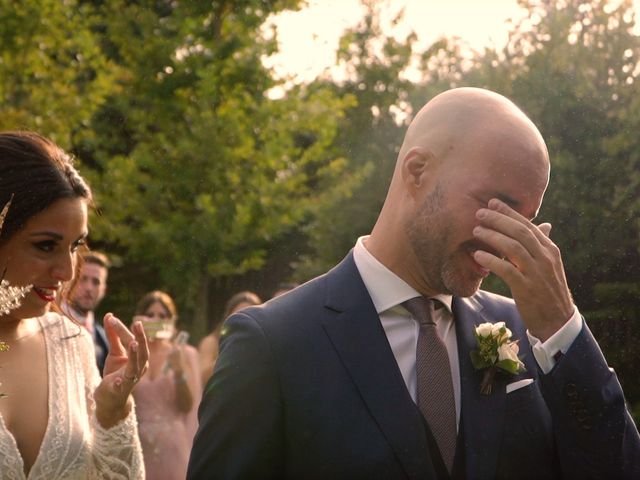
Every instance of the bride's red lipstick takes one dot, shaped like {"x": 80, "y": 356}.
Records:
{"x": 48, "y": 294}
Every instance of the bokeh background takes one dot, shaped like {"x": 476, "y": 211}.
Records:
{"x": 220, "y": 164}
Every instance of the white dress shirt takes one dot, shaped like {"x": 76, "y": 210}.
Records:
{"x": 388, "y": 292}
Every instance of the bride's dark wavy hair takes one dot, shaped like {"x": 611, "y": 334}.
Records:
{"x": 34, "y": 173}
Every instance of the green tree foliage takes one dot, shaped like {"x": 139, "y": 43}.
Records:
{"x": 201, "y": 171}
{"x": 53, "y": 74}
{"x": 197, "y": 173}
{"x": 369, "y": 139}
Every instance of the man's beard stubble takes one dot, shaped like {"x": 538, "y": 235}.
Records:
{"x": 83, "y": 310}
{"x": 430, "y": 235}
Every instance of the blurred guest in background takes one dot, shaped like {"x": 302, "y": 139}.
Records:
{"x": 167, "y": 398}
{"x": 208, "y": 348}
{"x": 284, "y": 288}
{"x": 85, "y": 297}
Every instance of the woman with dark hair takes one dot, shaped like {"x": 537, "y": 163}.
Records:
{"x": 58, "y": 418}
{"x": 208, "y": 348}
{"x": 167, "y": 398}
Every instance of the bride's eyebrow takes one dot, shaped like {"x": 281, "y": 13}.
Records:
{"x": 47, "y": 233}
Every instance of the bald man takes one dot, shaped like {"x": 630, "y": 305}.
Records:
{"x": 329, "y": 381}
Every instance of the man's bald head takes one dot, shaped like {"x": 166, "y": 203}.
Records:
{"x": 463, "y": 116}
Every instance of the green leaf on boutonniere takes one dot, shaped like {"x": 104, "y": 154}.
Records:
{"x": 510, "y": 366}
{"x": 478, "y": 361}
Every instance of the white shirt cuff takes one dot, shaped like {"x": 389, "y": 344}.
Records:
{"x": 560, "y": 341}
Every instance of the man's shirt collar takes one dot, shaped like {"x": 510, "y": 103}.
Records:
{"x": 386, "y": 289}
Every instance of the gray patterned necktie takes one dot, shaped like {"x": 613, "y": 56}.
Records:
{"x": 435, "y": 387}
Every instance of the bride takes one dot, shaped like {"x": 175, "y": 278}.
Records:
{"x": 58, "y": 418}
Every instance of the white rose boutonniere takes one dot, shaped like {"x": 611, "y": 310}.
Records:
{"x": 496, "y": 352}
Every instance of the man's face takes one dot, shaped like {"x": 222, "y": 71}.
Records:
{"x": 441, "y": 230}
{"x": 90, "y": 289}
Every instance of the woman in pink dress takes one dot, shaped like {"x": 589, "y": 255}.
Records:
{"x": 167, "y": 397}
{"x": 208, "y": 348}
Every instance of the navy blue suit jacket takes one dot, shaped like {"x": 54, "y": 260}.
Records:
{"x": 306, "y": 386}
{"x": 102, "y": 345}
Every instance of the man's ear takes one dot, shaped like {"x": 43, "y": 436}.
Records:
{"x": 415, "y": 167}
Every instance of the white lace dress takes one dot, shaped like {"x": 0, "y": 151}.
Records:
{"x": 74, "y": 445}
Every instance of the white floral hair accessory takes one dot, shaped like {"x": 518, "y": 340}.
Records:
{"x": 10, "y": 295}
{"x": 496, "y": 352}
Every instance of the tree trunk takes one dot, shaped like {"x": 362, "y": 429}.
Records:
{"x": 200, "y": 326}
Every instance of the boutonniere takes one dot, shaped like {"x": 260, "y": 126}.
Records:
{"x": 496, "y": 352}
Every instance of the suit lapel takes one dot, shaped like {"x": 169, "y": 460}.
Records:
{"x": 482, "y": 415}
{"x": 359, "y": 339}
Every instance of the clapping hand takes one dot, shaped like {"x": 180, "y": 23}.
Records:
{"x": 531, "y": 266}
{"x": 126, "y": 362}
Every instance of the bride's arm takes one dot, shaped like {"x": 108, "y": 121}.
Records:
{"x": 116, "y": 450}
